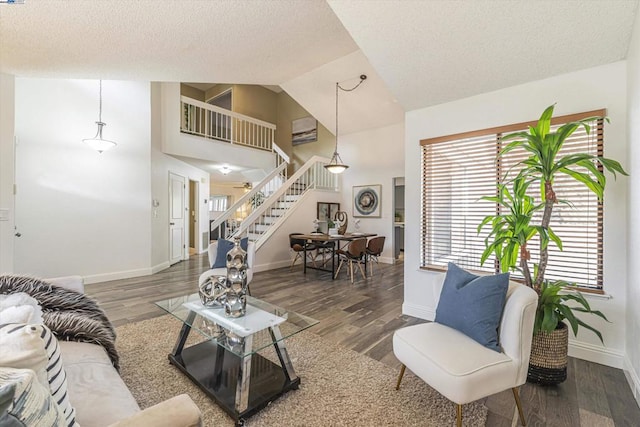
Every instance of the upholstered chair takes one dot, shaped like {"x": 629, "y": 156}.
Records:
{"x": 212, "y": 252}
{"x": 459, "y": 367}
{"x": 355, "y": 254}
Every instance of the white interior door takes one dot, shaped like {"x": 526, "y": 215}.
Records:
{"x": 177, "y": 213}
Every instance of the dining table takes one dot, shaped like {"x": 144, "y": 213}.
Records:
{"x": 332, "y": 242}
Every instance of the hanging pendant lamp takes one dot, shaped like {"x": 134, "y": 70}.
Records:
{"x": 336, "y": 165}
{"x": 98, "y": 143}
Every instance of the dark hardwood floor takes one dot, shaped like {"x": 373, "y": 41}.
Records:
{"x": 362, "y": 316}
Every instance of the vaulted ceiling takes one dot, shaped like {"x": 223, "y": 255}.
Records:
{"x": 416, "y": 53}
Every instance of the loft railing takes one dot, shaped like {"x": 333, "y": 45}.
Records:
{"x": 209, "y": 121}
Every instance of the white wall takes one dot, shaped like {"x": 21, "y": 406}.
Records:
{"x": 374, "y": 157}
{"x": 600, "y": 87}
{"x": 161, "y": 165}
{"x": 276, "y": 253}
{"x": 86, "y": 213}
{"x": 7, "y": 86}
{"x": 81, "y": 212}
{"x": 632, "y": 360}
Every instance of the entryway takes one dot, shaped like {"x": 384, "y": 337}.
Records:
{"x": 398, "y": 219}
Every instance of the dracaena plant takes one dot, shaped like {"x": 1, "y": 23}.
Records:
{"x": 552, "y": 308}
{"x": 512, "y": 228}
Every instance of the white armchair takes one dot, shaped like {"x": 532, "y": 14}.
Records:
{"x": 463, "y": 370}
{"x": 212, "y": 251}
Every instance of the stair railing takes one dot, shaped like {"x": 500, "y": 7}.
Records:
{"x": 227, "y": 223}
{"x": 311, "y": 176}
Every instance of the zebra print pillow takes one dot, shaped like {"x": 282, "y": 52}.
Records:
{"x": 24, "y": 401}
{"x": 56, "y": 375}
{"x": 35, "y": 347}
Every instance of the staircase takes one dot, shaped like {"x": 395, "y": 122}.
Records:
{"x": 274, "y": 209}
{"x": 258, "y": 213}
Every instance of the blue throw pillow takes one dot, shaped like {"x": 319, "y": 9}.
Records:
{"x": 225, "y": 246}
{"x": 473, "y": 304}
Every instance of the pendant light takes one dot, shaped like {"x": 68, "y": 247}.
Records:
{"x": 336, "y": 165}
{"x": 98, "y": 143}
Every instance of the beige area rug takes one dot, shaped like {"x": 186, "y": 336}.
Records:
{"x": 339, "y": 387}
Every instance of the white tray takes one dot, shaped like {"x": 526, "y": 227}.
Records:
{"x": 253, "y": 321}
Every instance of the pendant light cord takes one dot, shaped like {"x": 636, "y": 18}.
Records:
{"x": 100, "y": 108}
{"x": 363, "y": 77}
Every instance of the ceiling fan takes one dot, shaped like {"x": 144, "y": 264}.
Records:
{"x": 246, "y": 186}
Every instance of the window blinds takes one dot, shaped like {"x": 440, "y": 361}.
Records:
{"x": 458, "y": 170}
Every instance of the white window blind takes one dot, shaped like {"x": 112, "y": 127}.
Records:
{"x": 218, "y": 203}
{"x": 458, "y": 170}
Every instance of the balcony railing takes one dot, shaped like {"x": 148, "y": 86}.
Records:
{"x": 209, "y": 121}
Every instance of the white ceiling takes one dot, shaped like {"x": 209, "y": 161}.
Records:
{"x": 430, "y": 52}
{"x": 219, "y": 41}
{"x": 419, "y": 53}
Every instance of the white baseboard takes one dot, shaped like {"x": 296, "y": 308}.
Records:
{"x": 580, "y": 350}
{"x": 95, "y": 278}
{"x": 632, "y": 378}
{"x": 596, "y": 353}
{"x": 418, "y": 311}
{"x": 156, "y": 268}
{"x": 272, "y": 265}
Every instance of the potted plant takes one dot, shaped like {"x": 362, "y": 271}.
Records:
{"x": 332, "y": 229}
{"x": 257, "y": 199}
{"x": 514, "y": 227}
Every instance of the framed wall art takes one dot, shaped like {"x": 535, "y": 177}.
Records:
{"x": 366, "y": 201}
{"x": 304, "y": 130}
{"x": 327, "y": 210}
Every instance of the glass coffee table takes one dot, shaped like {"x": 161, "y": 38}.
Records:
{"x": 227, "y": 365}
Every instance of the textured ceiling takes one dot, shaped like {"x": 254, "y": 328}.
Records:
{"x": 220, "y": 41}
{"x": 430, "y": 52}
{"x": 419, "y": 53}
{"x": 369, "y": 106}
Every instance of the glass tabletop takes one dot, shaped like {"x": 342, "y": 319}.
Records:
{"x": 259, "y": 323}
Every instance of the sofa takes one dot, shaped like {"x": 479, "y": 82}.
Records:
{"x": 101, "y": 398}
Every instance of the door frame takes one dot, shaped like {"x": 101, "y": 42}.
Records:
{"x": 196, "y": 215}
{"x": 185, "y": 217}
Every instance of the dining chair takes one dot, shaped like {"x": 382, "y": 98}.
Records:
{"x": 298, "y": 247}
{"x": 375, "y": 246}
{"x": 354, "y": 254}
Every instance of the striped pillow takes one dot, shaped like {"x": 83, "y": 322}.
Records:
{"x": 56, "y": 375}
{"x": 25, "y": 401}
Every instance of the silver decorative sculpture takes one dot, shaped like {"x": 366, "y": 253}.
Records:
{"x": 235, "y": 304}
{"x": 212, "y": 291}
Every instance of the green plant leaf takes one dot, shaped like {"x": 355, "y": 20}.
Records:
{"x": 553, "y": 236}
{"x": 550, "y": 319}
{"x": 594, "y": 186}
{"x": 612, "y": 166}
{"x": 595, "y": 331}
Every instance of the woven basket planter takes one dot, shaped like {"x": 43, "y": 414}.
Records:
{"x": 548, "y": 362}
